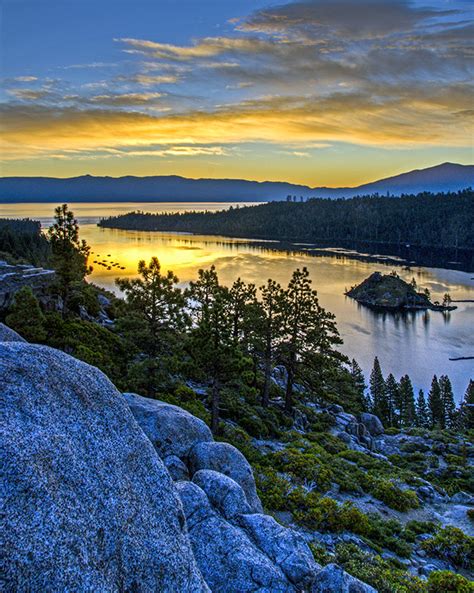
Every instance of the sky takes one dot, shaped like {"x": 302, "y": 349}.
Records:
{"x": 319, "y": 92}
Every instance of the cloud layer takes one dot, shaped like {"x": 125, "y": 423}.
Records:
{"x": 370, "y": 73}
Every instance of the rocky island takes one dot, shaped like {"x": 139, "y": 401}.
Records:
{"x": 389, "y": 291}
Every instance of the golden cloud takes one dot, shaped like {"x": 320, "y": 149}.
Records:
{"x": 429, "y": 118}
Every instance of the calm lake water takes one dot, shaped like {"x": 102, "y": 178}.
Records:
{"x": 419, "y": 344}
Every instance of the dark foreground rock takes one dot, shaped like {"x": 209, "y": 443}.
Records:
{"x": 89, "y": 505}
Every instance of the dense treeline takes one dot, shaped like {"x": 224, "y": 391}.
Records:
{"x": 441, "y": 220}
{"x": 22, "y": 241}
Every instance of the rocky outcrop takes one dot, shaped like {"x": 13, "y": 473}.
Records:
{"x": 9, "y": 335}
{"x": 227, "y": 460}
{"x": 372, "y": 423}
{"x": 228, "y": 560}
{"x": 332, "y": 579}
{"x": 89, "y": 505}
{"x": 171, "y": 430}
{"x": 15, "y": 277}
{"x": 390, "y": 292}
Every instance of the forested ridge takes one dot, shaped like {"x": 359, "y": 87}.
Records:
{"x": 426, "y": 219}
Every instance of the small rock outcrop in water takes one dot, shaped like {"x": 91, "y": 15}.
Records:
{"x": 390, "y": 292}
{"x": 91, "y": 507}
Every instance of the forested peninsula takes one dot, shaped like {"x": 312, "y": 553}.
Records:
{"x": 432, "y": 229}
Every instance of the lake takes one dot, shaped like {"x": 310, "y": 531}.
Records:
{"x": 419, "y": 344}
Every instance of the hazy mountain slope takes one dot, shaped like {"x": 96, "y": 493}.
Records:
{"x": 445, "y": 177}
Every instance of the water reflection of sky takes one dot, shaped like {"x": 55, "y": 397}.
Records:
{"x": 419, "y": 344}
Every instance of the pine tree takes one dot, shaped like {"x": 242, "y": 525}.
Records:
{"x": 378, "y": 393}
{"x": 359, "y": 385}
{"x": 309, "y": 332}
{"x": 270, "y": 327}
{"x": 407, "y": 399}
{"x": 422, "y": 411}
{"x": 212, "y": 343}
{"x": 435, "y": 405}
{"x": 156, "y": 305}
{"x": 393, "y": 400}
{"x": 25, "y": 316}
{"x": 70, "y": 254}
{"x": 447, "y": 397}
{"x": 466, "y": 410}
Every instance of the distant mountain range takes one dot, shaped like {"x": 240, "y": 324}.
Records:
{"x": 172, "y": 188}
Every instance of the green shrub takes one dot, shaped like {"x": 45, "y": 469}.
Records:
{"x": 394, "y": 497}
{"x": 372, "y": 569}
{"x": 453, "y": 545}
{"x": 444, "y": 581}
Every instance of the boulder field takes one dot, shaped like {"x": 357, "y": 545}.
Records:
{"x": 107, "y": 492}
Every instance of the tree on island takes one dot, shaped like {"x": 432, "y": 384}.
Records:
{"x": 70, "y": 253}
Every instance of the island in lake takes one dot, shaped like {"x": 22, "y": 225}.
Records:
{"x": 389, "y": 291}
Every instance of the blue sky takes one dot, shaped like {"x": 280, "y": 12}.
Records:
{"x": 323, "y": 92}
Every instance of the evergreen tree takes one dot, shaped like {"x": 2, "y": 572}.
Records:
{"x": 212, "y": 343}
{"x": 393, "y": 401}
{"x": 155, "y": 308}
{"x": 70, "y": 254}
{"x": 25, "y": 316}
{"x": 407, "y": 400}
{"x": 359, "y": 385}
{"x": 466, "y": 410}
{"x": 435, "y": 405}
{"x": 378, "y": 392}
{"x": 422, "y": 411}
{"x": 270, "y": 330}
{"x": 309, "y": 333}
{"x": 447, "y": 397}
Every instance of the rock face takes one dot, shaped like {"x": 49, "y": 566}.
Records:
{"x": 228, "y": 560}
{"x": 171, "y": 430}
{"x": 89, "y": 505}
{"x": 332, "y": 579}
{"x": 372, "y": 424}
{"x": 9, "y": 335}
{"x": 227, "y": 460}
{"x": 14, "y": 277}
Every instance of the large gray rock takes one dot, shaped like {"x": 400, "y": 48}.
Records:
{"x": 227, "y": 558}
{"x": 9, "y": 335}
{"x": 284, "y": 546}
{"x": 224, "y": 494}
{"x": 333, "y": 579}
{"x": 89, "y": 505}
{"x": 227, "y": 460}
{"x": 372, "y": 424}
{"x": 177, "y": 469}
{"x": 172, "y": 430}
